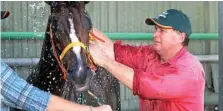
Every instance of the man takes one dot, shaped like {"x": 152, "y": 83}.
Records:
{"x": 17, "y": 93}
{"x": 164, "y": 75}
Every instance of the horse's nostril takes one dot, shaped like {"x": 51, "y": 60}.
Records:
{"x": 70, "y": 70}
{"x": 80, "y": 74}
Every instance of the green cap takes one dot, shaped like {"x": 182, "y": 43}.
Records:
{"x": 172, "y": 18}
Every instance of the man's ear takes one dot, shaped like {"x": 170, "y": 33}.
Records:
{"x": 182, "y": 36}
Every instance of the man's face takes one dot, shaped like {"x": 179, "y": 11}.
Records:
{"x": 166, "y": 39}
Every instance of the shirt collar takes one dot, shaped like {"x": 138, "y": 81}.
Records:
{"x": 179, "y": 54}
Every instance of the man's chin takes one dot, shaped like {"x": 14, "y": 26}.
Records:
{"x": 157, "y": 49}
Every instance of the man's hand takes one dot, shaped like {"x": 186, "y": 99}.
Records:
{"x": 102, "y": 108}
{"x": 101, "y": 51}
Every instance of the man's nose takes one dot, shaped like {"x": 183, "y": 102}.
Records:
{"x": 156, "y": 34}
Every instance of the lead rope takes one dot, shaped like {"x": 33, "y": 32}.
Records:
{"x": 95, "y": 97}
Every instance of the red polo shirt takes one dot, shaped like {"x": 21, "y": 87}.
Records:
{"x": 177, "y": 85}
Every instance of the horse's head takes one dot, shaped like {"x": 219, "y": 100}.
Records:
{"x": 69, "y": 27}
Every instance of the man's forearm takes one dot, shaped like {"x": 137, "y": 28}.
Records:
{"x": 17, "y": 90}
{"x": 122, "y": 72}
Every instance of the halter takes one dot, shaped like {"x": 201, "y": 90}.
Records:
{"x": 86, "y": 49}
{"x": 68, "y": 47}
{"x": 55, "y": 54}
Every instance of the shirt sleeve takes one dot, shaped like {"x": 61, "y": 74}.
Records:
{"x": 130, "y": 55}
{"x": 20, "y": 92}
{"x": 172, "y": 86}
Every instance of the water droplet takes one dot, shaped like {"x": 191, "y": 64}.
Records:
{"x": 216, "y": 108}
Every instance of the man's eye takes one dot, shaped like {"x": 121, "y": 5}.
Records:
{"x": 156, "y": 28}
{"x": 162, "y": 30}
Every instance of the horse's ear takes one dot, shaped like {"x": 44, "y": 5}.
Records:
{"x": 48, "y": 2}
{"x": 86, "y": 2}
{"x": 51, "y": 3}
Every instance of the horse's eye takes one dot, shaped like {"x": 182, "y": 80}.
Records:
{"x": 58, "y": 46}
{"x": 86, "y": 13}
{"x": 87, "y": 21}
{"x": 70, "y": 70}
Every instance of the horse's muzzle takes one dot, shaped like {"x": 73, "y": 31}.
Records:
{"x": 81, "y": 78}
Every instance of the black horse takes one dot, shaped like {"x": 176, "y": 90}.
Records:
{"x": 65, "y": 67}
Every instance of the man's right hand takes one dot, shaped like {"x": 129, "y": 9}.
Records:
{"x": 102, "y": 108}
{"x": 107, "y": 45}
{"x": 101, "y": 51}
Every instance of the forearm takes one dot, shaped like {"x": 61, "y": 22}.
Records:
{"x": 24, "y": 95}
{"x": 122, "y": 72}
{"x": 59, "y": 104}
{"x": 9, "y": 103}
{"x": 20, "y": 92}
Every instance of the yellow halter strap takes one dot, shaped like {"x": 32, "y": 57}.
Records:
{"x": 73, "y": 44}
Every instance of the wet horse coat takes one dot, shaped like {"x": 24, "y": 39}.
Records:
{"x": 68, "y": 23}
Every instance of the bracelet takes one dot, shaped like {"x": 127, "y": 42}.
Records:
{"x": 90, "y": 108}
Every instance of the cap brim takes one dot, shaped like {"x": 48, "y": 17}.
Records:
{"x": 4, "y": 14}
{"x": 153, "y": 21}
